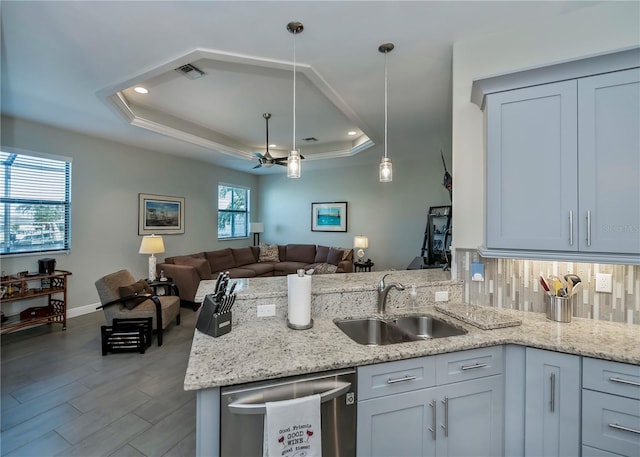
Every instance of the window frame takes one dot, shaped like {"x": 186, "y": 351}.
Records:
{"x": 233, "y": 212}
{"x": 8, "y": 201}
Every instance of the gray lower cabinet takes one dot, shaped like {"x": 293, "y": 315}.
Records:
{"x": 610, "y": 408}
{"x": 458, "y": 418}
{"x": 552, "y": 403}
{"x": 563, "y": 167}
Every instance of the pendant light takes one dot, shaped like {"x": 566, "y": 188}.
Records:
{"x": 293, "y": 161}
{"x": 386, "y": 169}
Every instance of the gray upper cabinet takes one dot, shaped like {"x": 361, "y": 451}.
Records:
{"x": 609, "y": 162}
{"x": 532, "y": 181}
{"x": 563, "y": 162}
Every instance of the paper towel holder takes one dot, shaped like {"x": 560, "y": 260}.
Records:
{"x": 300, "y": 327}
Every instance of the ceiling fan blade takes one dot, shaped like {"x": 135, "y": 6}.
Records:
{"x": 258, "y": 155}
{"x": 258, "y": 166}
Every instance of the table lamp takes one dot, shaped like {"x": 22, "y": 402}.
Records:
{"x": 256, "y": 228}
{"x": 361, "y": 242}
{"x": 152, "y": 244}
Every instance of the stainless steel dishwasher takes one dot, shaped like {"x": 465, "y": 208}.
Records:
{"x": 243, "y": 408}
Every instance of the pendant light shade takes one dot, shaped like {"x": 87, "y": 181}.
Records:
{"x": 386, "y": 168}
{"x": 293, "y": 165}
{"x": 293, "y": 161}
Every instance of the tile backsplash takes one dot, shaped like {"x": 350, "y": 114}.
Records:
{"x": 513, "y": 283}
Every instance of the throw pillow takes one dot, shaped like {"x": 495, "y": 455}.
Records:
{"x": 321, "y": 254}
{"x": 269, "y": 253}
{"x": 324, "y": 268}
{"x": 137, "y": 288}
{"x": 201, "y": 265}
{"x": 335, "y": 256}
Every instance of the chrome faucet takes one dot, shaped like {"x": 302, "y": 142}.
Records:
{"x": 383, "y": 291}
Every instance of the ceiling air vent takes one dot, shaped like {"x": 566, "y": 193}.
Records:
{"x": 310, "y": 139}
{"x": 190, "y": 71}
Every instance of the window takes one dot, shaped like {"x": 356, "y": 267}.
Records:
{"x": 35, "y": 204}
{"x": 233, "y": 212}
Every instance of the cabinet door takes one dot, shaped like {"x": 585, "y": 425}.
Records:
{"x": 470, "y": 418}
{"x": 552, "y": 404}
{"x": 396, "y": 425}
{"x": 609, "y": 162}
{"x": 531, "y": 177}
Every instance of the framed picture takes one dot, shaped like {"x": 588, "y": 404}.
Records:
{"x": 329, "y": 217}
{"x": 160, "y": 214}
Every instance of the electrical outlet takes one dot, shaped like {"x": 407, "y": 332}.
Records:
{"x": 603, "y": 282}
{"x": 266, "y": 310}
{"x": 442, "y": 295}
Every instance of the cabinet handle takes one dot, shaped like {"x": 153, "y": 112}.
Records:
{"x": 571, "y": 228}
{"x": 624, "y": 381}
{"x": 445, "y": 427}
{"x": 432, "y": 429}
{"x": 406, "y": 378}
{"x": 589, "y": 228}
{"x": 473, "y": 367}
{"x": 552, "y": 403}
{"x": 624, "y": 429}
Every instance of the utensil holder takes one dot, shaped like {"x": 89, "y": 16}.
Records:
{"x": 560, "y": 309}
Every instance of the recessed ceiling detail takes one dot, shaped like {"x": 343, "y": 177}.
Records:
{"x": 212, "y": 111}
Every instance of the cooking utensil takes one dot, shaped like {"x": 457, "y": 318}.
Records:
{"x": 576, "y": 289}
{"x": 558, "y": 286}
{"x": 544, "y": 284}
{"x": 572, "y": 281}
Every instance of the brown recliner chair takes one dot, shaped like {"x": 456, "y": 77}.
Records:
{"x": 131, "y": 304}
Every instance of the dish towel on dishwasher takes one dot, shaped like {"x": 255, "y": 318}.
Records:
{"x": 292, "y": 428}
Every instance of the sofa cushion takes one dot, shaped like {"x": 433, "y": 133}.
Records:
{"x": 243, "y": 256}
{"x": 241, "y": 273}
{"x": 220, "y": 260}
{"x": 301, "y": 253}
{"x": 269, "y": 253}
{"x": 288, "y": 268}
{"x": 260, "y": 269}
{"x": 200, "y": 264}
{"x": 335, "y": 256}
{"x": 138, "y": 287}
{"x": 321, "y": 254}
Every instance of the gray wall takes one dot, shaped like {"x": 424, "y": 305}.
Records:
{"x": 106, "y": 179}
{"x": 392, "y": 215}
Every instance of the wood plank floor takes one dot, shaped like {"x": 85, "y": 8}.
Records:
{"x": 61, "y": 397}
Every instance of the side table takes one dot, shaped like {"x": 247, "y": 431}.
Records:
{"x": 363, "y": 266}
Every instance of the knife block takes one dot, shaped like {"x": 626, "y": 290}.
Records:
{"x": 212, "y": 323}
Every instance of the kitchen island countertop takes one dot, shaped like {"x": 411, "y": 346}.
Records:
{"x": 266, "y": 348}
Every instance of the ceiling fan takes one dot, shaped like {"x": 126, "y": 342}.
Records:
{"x": 266, "y": 159}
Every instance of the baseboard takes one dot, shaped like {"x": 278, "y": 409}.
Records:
{"x": 82, "y": 310}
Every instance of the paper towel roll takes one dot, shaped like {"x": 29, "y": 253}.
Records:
{"x": 299, "y": 294}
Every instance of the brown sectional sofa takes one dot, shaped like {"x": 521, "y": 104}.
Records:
{"x": 186, "y": 271}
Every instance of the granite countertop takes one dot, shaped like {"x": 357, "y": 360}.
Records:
{"x": 266, "y": 348}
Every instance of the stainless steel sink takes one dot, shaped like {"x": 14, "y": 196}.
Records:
{"x": 427, "y": 327}
{"x": 373, "y": 331}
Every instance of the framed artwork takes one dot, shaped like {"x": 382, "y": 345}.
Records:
{"x": 329, "y": 217}
{"x": 160, "y": 214}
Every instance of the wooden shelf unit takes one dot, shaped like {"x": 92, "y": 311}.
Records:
{"x": 55, "y": 288}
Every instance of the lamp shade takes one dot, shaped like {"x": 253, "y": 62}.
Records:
{"x": 151, "y": 244}
{"x": 256, "y": 227}
{"x": 361, "y": 242}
